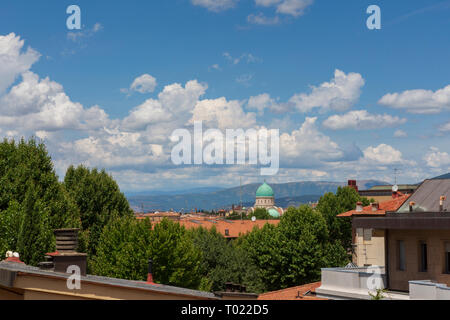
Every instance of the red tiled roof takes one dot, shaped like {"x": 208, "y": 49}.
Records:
{"x": 235, "y": 227}
{"x": 295, "y": 293}
{"x": 159, "y": 214}
{"x": 385, "y": 206}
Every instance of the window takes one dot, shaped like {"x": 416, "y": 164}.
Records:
{"x": 401, "y": 255}
{"x": 227, "y": 232}
{"x": 367, "y": 234}
{"x": 447, "y": 257}
{"x": 423, "y": 254}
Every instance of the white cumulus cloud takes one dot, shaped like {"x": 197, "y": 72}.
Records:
{"x": 144, "y": 84}
{"x": 445, "y": 127}
{"x": 361, "y": 119}
{"x": 290, "y": 7}
{"x": 339, "y": 94}
{"x": 400, "y": 134}
{"x": 419, "y": 101}
{"x": 383, "y": 154}
{"x": 14, "y": 60}
{"x": 308, "y": 145}
{"x": 215, "y": 5}
{"x": 436, "y": 158}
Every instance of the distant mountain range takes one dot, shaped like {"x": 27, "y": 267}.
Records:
{"x": 444, "y": 176}
{"x": 286, "y": 194}
{"x": 287, "y": 202}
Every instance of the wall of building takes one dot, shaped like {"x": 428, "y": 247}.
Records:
{"x": 36, "y": 287}
{"x": 435, "y": 240}
{"x": 369, "y": 247}
{"x": 264, "y": 202}
{"x": 426, "y": 290}
{"x": 10, "y": 294}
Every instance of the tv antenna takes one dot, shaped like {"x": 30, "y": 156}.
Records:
{"x": 240, "y": 179}
{"x": 395, "y": 174}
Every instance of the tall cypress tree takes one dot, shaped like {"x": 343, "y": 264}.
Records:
{"x": 26, "y": 173}
{"x": 99, "y": 199}
{"x": 35, "y": 235}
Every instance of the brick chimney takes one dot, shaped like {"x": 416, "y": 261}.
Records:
{"x": 13, "y": 257}
{"x": 150, "y": 272}
{"x": 411, "y": 206}
{"x": 359, "y": 207}
{"x": 66, "y": 254}
{"x": 441, "y": 203}
{"x": 233, "y": 287}
{"x": 352, "y": 184}
{"x": 375, "y": 206}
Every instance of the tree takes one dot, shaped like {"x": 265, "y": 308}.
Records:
{"x": 98, "y": 198}
{"x": 331, "y": 205}
{"x": 26, "y": 170}
{"x": 262, "y": 214}
{"x": 176, "y": 260}
{"x": 223, "y": 262}
{"x": 10, "y": 221}
{"x": 293, "y": 252}
{"x": 123, "y": 249}
{"x": 35, "y": 233}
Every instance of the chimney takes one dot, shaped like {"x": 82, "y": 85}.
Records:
{"x": 352, "y": 184}
{"x": 13, "y": 257}
{"x": 66, "y": 254}
{"x": 375, "y": 206}
{"x": 359, "y": 207}
{"x": 411, "y": 206}
{"x": 66, "y": 240}
{"x": 441, "y": 203}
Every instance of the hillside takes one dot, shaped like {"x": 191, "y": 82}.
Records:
{"x": 286, "y": 194}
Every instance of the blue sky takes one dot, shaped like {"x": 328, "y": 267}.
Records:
{"x": 351, "y": 102}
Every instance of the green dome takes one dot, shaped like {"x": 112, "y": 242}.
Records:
{"x": 264, "y": 191}
{"x": 274, "y": 213}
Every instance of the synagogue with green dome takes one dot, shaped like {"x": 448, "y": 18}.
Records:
{"x": 265, "y": 199}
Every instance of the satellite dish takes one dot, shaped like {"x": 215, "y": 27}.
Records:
{"x": 395, "y": 188}
{"x": 253, "y": 218}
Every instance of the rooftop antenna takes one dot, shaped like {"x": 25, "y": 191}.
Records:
{"x": 395, "y": 175}
{"x": 241, "y": 196}
{"x": 241, "y": 191}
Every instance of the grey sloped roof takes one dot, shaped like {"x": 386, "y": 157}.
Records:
{"x": 427, "y": 196}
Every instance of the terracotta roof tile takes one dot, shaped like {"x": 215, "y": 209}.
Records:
{"x": 385, "y": 206}
{"x": 295, "y": 293}
{"x": 235, "y": 227}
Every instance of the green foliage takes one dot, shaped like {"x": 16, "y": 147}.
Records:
{"x": 123, "y": 249}
{"x": 223, "y": 262}
{"x": 35, "y": 233}
{"x": 293, "y": 252}
{"x": 10, "y": 220}
{"x": 126, "y": 244}
{"x": 330, "y": 205}
{"x": 237, "y": 216}
{"x": 261, "y": 214}
{"x": 26, "y": 174}
{"x": 98, "y": 198}
{"x": 378, "y": 295}
{"x": 177, "y": 261}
